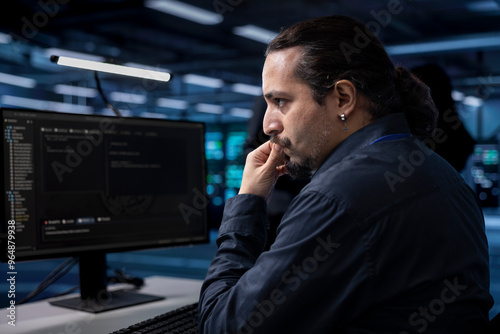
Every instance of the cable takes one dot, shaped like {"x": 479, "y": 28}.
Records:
{"x": 122, "y": 277}
{"x": 63, "y": 268}
{"x": 109, "y": 105}
{"x": 64, "y": 293}
{"x": 56, "y": 274}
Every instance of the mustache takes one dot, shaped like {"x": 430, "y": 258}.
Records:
{"x": 283, "y": 142}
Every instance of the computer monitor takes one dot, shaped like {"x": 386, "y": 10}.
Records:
{"x": 86, "y": 185}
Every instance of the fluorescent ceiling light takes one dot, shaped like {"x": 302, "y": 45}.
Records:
{"x": 111, "y": 68}
{"x": 483, "y": 6}
{"x": 185, "y": 11}
{"x": 472, "y": 101}
{"x": 469, "y": 42}
{"x": 16, "y": 80}
{"x": 171, "y": 103}
{"x": 5, "y": 38}
{"x": 73, "y": 54}
{"x": 457, "y": 95}
{"x": 45, "y": 105}
{"x": 246, "y": 89}
{"x": 210, "y": 108}
{"x": 241, "y": 112}
{"x": 128, "y": 97}
{"x": 153, "y": 115}
{"x": 75, "y": 91}
{"x": 255, "y": 33}
{"x": 201, "y": 80}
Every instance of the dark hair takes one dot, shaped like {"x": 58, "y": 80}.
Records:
{"x": 339, "y": 47}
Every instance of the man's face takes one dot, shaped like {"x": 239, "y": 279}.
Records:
{"x": 293, "y": 118}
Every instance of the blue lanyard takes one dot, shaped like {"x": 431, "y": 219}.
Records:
{"x": 391, "y": 137}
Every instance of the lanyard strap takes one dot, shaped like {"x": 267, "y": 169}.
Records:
{"x": 395, "y": 136}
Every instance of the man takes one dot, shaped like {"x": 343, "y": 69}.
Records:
{"x": 386, "y": 237}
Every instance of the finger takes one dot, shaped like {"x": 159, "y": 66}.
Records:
{"x": 281, "y": 170}
{"x": 276, "y": 157}
{"x": 261, "y": 154}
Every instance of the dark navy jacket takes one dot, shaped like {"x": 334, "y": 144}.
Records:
{"x": 386, "y": 238}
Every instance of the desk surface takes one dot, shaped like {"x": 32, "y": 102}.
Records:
{"x": 41, "y": 317}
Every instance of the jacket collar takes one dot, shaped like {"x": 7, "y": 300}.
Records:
{"x": 387, "y": 125}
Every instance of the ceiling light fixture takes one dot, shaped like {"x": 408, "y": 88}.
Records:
{"x": 149, "y": 114}
{"x": 255, "y": 33}
{"x": 75, "y": 91}
{"x": 457, "y": 95}
{"x": 111, "y": 68}
{"x": 483, "y": 6}
{"x": 185, "y": 11}
{"x": 16, "y": 80}
{"x": 459, "y": 43}
{"x": 5, "y": 38}
{"x": 147, "y": 67}
{"x": 128, "y": 97}
{"x": 473, "y": 101}
{"x": 44, "y": 104}
{"x": 241, "y": 112}
{"x": 171, "y": 103}
{"x": 210, "y": 108}
{"x": 246, "y": 89}
{"x": 200, "y": 80}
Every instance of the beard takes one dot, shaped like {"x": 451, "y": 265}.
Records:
{"x": 296, "y": 170}
{"x": 299, "y": 171}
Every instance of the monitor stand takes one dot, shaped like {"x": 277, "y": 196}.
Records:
{"x": 94, "y": 297}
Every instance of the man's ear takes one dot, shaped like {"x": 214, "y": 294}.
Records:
{"x": 344, "y": 97}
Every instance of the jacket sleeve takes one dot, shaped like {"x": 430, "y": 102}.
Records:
{"x": 302, "y": 284}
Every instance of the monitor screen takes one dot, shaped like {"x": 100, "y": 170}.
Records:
{"x": 75, "y": 185}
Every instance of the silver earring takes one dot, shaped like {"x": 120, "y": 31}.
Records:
{"x": 343, "y": 118}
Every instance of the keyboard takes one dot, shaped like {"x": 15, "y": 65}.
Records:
{"x": 183, "y": 320}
